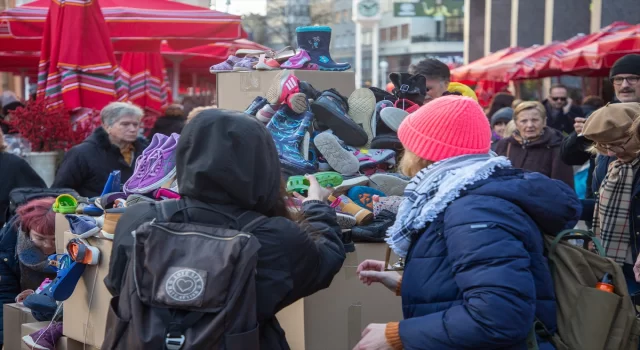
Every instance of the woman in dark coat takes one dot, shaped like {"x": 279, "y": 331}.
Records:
{"x": 228, "y": 161}
{"x": 475, "y": 274}
{"x": 16, "y": 173}
{"x": 534, "y": 146}
{"x": 172, "y": 122}
{"x": 25, "y": 243}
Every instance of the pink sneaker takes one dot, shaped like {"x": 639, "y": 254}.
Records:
{"x": 265, "y": 63}
{"x": 285, "y": 89}
{"x": 297, "y": 61}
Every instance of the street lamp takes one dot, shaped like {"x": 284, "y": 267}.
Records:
{"x": 367, "y": 14}
{"x": 383, "y": 74}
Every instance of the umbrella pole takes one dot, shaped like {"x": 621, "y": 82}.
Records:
{"x": 175, "y": 83}
{"x": 194, "y": 83}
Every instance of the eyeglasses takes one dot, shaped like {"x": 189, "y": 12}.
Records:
{"x": 630, "y": 80}
{"x": 559, "y": 98}
{"x": 615, "y": 148}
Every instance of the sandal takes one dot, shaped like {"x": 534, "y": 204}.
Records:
{"x": 300, "y": 184}
{"x": 81, "y": 251}
{"x": 65, "y": 204}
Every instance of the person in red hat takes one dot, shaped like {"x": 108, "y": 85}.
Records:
{"x": 468, "y": 228}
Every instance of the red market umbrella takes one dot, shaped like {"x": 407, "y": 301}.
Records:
{"x": 133, "y": 25}
{"x": 596, "y": 58}
{"x": 145, "y": 78}
{"x": 509, "y": 67}
{"x": 554, "y": 66}
{"x": 68, "y": 76}
{"x": 474, "y": 71}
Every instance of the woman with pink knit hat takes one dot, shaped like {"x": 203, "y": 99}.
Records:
{"x": 475, "y": 274}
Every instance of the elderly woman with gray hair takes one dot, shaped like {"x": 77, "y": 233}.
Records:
{"x": 112, "y": 146}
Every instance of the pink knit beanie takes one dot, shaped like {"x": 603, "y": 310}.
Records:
{"x": 446, "y": 127}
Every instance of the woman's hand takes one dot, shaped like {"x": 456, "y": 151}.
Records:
{"x": 315, "y": 192}
{"x": 373, "y": 338}
{"x": 636, "y": 269}
{"x": 370, "y": 271}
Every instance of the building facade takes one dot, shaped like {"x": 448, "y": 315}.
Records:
{"x": 491, "y": 25}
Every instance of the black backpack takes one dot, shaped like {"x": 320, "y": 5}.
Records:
{"x": 20, "y": 196}
{"x": 188, "y": 285}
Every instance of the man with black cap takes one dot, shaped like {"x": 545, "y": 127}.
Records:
{"x": 625, "y": 76}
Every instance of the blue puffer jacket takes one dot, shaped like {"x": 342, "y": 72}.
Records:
{"x": 476, "y": 278}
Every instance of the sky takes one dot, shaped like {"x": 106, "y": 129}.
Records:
{"x": 243, "y": 7}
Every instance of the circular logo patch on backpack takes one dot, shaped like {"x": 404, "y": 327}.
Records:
{"x": 184, "y": 285}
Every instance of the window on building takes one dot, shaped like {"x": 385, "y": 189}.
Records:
{"x": 346, "y": 16}
{"x": 405, "y": 31}
{"x": 383, "y": 34}
{"x": 338, "y": 16}
{"x": 393, "y": 35}
{"x": 454, "y": 29}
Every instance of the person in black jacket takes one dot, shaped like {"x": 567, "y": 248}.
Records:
{"x": 561, "y": 112}
{"x": 228, "y": 161}
{"x": 113, "y": 146}
{"x": 172, "y": 122}
{"x": 16, "y": 173}
{"x": 25, "y": 244}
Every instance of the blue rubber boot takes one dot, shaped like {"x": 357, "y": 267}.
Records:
{"x": 288, "y": 130}
{"x": 317, "y": 41}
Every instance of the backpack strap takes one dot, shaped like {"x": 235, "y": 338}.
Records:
{"x": 175, "y": 339}
{"x": 252, "y": 219}
{"x": 166, "y": 209}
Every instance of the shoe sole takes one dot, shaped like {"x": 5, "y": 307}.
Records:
{"x": 31, "y": 343}
{"x": 393, "y": 117}
{"x": 275, "y": 90}
{"x": 298, "y": 102}
{"x": 362, "y": 104}
{"x": 347, "y": 130}
{"x": 390, "y": 185}
{"x": 338, "y": 158}
{"x": 155, "y": 185}
{"x": 347, "y": 184}
{"x": 306, "y": 142}
{"x": 346, "y": 221}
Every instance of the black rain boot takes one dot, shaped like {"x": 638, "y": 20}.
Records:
{"x": 410, "y": 87}
{"x": 317, "y": 41}
{"x": 309, "y": 90}
{"x": 331, "y": 109}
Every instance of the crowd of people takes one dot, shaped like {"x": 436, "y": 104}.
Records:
{"x": 484, "y": 187}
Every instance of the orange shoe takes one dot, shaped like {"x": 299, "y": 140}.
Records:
{"x": 80, "y": 251}
{"x": 265, "y": 63}
{"x": 346, "y": 205}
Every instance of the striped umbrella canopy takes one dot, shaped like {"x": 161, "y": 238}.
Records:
{"x": 145, "y": 79}
{"x": 133, "y": 25}
{"x": 77, "y": 66}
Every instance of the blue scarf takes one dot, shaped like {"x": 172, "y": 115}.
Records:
{"x": 433, "y": 189}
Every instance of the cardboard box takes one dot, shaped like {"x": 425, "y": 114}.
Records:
{"x": 62, "y": 226}
{"x": 236, "y": 90}
{"x": 64, "y": 343}
{"x": 78, "y": 314}
{"x": 14, "y": 315}
{"x": 334, "y": 318}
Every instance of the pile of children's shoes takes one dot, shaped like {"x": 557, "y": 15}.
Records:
{"x": 350, "y": 144}
{"x": 312, "y": 54}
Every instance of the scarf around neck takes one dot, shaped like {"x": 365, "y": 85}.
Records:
{"x": 433, "y": 189}
{"x": 611, "y": 214}
{"x": 34, "y": 265}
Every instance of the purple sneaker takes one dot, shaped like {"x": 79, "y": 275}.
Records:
{"x": 141, "y": 162}
{"x": 226, "y": 66}
{"x": 162, "y": 166}
{"x": 245, "y": 64}
{"x": 44, "y": 339}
